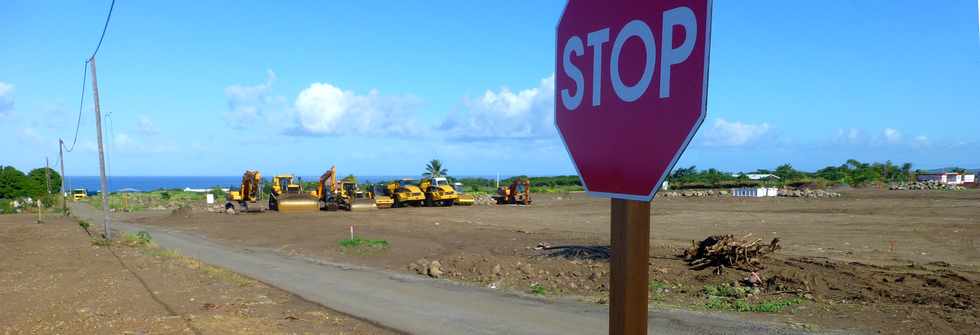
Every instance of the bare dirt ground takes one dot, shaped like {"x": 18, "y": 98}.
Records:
{"x": 872, "y": 260}
{"x": 54, "y": 280}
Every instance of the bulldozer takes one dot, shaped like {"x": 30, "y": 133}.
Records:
{"x": 464, "y": 199}
{"x": 438, "y": 192}
{"x": 519, "y": 192}
{"x": 288, "y": 197}
{"x": 405, "y": 193}
{"x": 334, "y": 195}
{"x": 246, "y": 198}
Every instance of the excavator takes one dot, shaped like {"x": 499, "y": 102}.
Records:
{"x": 519, "y": 192}
{"x": 438, "y": 192}
{"x": 333, "y": 195}
{"x": 246, "y": 199}
{"x": 289, "y": 197}
{"x": 405, "y": 193}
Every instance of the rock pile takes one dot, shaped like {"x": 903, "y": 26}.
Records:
{"x": 483, "y": 199}
{"x": 924, "y": 185}
{"x": 808, "y": 193}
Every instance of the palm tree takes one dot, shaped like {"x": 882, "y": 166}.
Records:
{"x": 434, "y": 169}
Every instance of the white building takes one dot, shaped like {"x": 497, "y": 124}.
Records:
{"x": 951, "y": 178}
{"x": 755, "y": 192}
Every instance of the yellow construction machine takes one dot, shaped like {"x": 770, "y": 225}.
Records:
{"x": 438, "y": 192}
{"x": 333, "y": 195}
{"x": 289, "y": 197}
{"x": 79, "y": 194}
{"x": 519, "y": 192}
{"x": 246, "y": 198}
{"x": 405, "y": 193}
{"x": 381, "y": 197}
{"x": 464, "y": 198}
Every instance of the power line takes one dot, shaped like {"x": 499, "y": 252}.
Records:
{"x": 104, "y": 28}
{"x": 81, "y": 103}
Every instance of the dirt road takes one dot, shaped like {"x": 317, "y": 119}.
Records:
{"x": 54, "y": 280}
{"x": 425, "y": 306}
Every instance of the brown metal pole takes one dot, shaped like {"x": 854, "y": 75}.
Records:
{"x": 103, "y": 183}
{"x": 628, "y": 280}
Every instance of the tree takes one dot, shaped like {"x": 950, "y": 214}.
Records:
{"x": 434, "y": 169}
{"x": 39, "y": 183}
{"x": 786, "y": 172}
{"x": 13, "y": 183}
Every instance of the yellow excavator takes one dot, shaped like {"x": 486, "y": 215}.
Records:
{"x": 288, "y": 197}
{"x": 405, "y": 193}
{"x": 438, "y": 192}
{"x": 519, "y": 192}
{"x": 246, "y": 198}
{"x": 334, "y": 195}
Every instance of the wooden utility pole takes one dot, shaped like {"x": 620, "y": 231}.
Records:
{"x": 628, "y": 276}
{"x": 103, "y": 183}
{"x": 61, "y": 158}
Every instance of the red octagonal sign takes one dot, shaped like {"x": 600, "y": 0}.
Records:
{"x": 631, "y": 80}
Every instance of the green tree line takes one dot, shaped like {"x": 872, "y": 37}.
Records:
{"x": 852, "y": 172}
{"x": 15, "y": 184}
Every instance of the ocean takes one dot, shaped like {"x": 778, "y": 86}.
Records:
{"x": 153, "y": 183}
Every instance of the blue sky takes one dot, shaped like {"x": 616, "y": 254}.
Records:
{"x": 380, "y": 88}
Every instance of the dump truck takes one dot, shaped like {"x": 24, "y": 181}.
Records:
{"x": 246, "y": 198}
{"x": 519, "y": 192}
{"x": 438, "y": 192}
{"x": 464, "y": 198}
{"x": 288, "y": 196}
{"x": 405, "y": 192}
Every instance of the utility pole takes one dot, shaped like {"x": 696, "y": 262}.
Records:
{"x": 98, "y": 128}
{"x": 61, "y": 158}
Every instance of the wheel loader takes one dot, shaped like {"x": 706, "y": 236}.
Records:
{"x": 438, "y": 192}
{"x": 405, "y": 192}
{"x": 288, "y": 197}
{"x": 519, "y": 192}
{"x": 382, "y": 199}
{"x": 246, "y": 198}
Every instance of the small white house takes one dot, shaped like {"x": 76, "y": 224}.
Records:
{"x": 755, "y": 192}
{"x": 951, "y": 178}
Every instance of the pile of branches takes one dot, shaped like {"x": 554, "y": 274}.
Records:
{"x": 726, "y": 251}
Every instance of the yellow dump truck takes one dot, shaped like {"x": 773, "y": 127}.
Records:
{"x": 438, "y": 192}
{"x": 405, "y": 192}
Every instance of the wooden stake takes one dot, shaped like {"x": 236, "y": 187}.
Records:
{"x": 61, "y": 158}
{"x": 103, "y": 183}
{"x": 628, "y": 279}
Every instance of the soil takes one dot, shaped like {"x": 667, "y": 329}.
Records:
{"x": 870, "y": 261}
{"x": 55, "y": 280}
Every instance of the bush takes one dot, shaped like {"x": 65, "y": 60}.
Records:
{"x": 6, "y": 207}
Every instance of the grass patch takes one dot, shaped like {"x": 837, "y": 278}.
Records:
{"x": 538, "y": 289}
{"x": 657, "y": 290}
{"x": 358, "y": 242}
{"x": 140, "y": 239}
{"x": 101, "y": 242}
{"x": 727, "y": 297}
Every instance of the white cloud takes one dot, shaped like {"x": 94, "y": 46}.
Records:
{"x": 892, "y": 136}
{"x": 528, "y": 113}
{"x": 324, "y": 109}
{"x": 249, "y": 104}
{"x": 731, "y": 134}
{"x": 31, "y": 136}
{"x": 6, "y": 99}
{"x": 145, "y": 126}
{"x": 126, "y": 143}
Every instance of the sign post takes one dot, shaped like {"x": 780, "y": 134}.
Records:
{"x": 630, "y": 93}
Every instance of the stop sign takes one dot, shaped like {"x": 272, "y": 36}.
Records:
{"x": 630, "y": 89}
